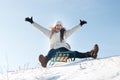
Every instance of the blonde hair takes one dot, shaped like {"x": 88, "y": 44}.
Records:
{"x": 53, "y": 30}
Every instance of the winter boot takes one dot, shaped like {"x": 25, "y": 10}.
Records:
{"x": 43, "y": 60}
{"x": 93, "y": 52}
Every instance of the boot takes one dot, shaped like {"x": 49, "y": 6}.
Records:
{"x": 93, "y": 52}
{"x": 43, "y": 60}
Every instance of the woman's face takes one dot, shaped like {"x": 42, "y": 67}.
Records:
{"x": 58, "y": 26}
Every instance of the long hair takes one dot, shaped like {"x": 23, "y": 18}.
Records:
{"x": 62, "y": 31}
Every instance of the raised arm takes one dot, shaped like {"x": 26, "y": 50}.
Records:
{"x": 39, "y": 27}
{"x": 71, "y": 31}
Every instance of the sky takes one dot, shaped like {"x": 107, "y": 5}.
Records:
{"x": 21, "y": 43}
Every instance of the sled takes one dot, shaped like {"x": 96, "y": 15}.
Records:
{"x": 62, "y": 57}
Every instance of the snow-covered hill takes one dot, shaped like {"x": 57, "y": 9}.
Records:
{"x": 94, "y": 69}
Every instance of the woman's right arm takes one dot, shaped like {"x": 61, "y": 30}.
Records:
{"x": 42, "y": 29}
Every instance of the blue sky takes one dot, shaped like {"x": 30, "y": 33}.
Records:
{"x": 21, "y": 43}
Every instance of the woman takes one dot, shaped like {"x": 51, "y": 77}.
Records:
{"x": 58, "y": 35}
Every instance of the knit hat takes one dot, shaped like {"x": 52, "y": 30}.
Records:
{"x": 58, "y": 22}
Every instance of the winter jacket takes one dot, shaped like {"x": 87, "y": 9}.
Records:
{"x": 55, "y": 42}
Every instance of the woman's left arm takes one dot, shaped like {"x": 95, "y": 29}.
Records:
{"x": 71, "y": 31}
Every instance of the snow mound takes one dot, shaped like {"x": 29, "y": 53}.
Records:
{"x": 93, "y": 69}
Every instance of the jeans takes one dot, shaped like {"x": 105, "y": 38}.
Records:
{"x": 52, "y": 53}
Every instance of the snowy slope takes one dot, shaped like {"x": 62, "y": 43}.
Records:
{"x": 94, "y": 69}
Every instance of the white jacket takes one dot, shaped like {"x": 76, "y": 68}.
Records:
{"x": 55, "y": 42}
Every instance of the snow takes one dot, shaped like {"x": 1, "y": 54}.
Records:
{"x": 81, "y": 69}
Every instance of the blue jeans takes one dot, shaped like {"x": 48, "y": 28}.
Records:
{"x": 52, "y": 53}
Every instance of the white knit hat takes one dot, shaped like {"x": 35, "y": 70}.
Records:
{"x": 58, "y": 22}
